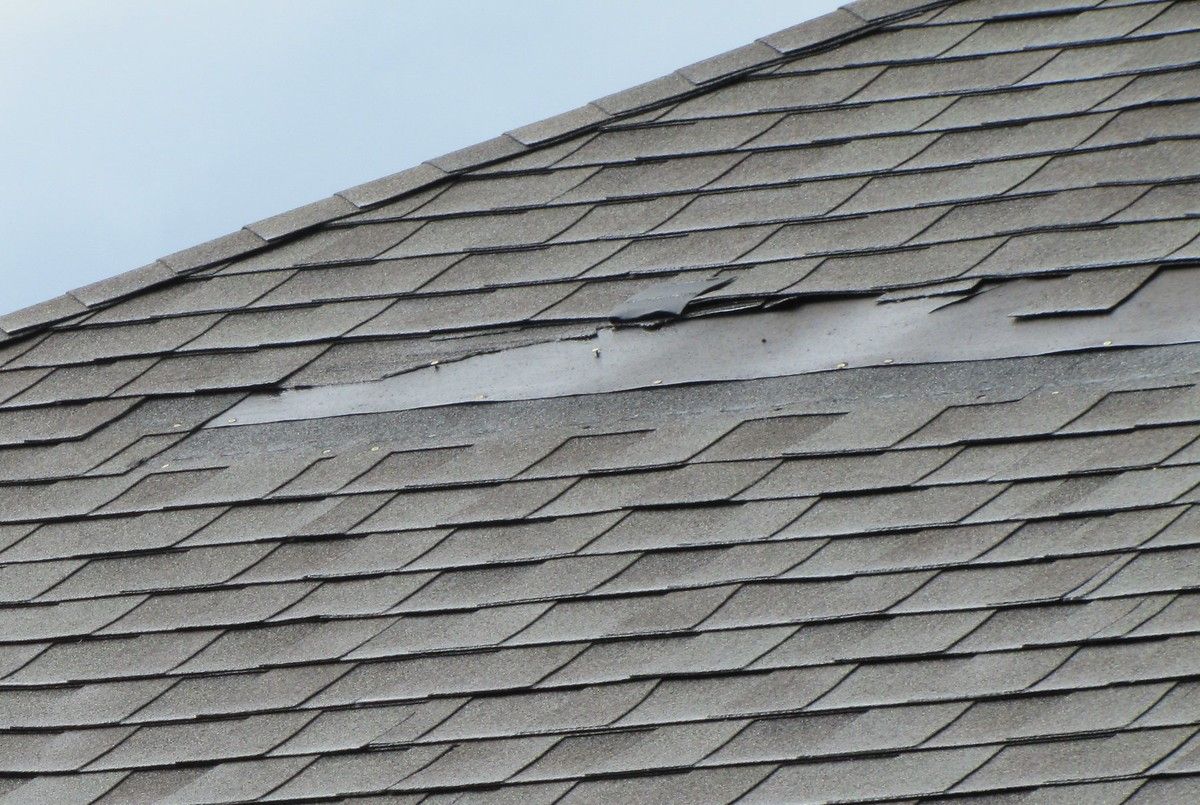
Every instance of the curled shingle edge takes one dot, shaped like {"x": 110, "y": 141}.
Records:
{"x": 855, "y": 19}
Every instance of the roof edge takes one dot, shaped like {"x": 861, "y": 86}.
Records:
{"x": 828, "y": 30}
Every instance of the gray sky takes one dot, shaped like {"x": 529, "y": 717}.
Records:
{"x": 130, "y": 129}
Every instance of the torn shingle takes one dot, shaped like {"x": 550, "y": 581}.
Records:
{"x": 373, "y": 499}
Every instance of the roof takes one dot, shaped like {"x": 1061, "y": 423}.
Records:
{"x": 817, "y": 423}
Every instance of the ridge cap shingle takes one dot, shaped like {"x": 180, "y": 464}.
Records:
{"x": 828, "y": 30}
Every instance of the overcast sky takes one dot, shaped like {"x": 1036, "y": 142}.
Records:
{"x": 130, "y": 129}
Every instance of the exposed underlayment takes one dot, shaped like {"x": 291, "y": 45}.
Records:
{"x": 823, "y": 432}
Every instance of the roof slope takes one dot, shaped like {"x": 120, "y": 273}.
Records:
{"x": 818, "y": 424}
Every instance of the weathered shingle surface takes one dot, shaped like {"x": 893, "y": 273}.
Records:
{"x": 893, "y": 497}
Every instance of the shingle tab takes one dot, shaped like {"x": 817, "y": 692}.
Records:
{"x": 695, "y": 555}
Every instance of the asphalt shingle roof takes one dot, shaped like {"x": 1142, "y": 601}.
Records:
{"x": 817, "y": 423}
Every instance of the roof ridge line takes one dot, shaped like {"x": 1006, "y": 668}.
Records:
{"x": 849, "y": 21}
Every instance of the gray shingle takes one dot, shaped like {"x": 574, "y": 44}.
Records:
{"x": 814, "y": 161}
{"x": 804, "y": 736}
{"x": 648, "y": 178}
{"x": 198, "y": 696}
{"x": 947, "y": 184}
{"x": 1090, "y": 62}
{"x": 873, "y": 638}
{"x": 330, "y": 775}
{"x": 1085, "y": 247}
{"x": 988, "y": 72}
{"x": 692, "y": 787}
{"x": 770, "y": 94}
{"x": 978, "y": 569}
{"x": 796, "y": 601}
{"x": 905, "y": 774}
{"x": 459, "y": 674}
{"x": 706, "y": 652}
{"x": 878, "y": 231}
{"x": 661, "y": 747}
{"x": 884, "y": 117}
{"x": 1055, "y": 714}
{"x": 940, "y": 679}
{"x": 849, "y": 473}
{"x": 753, "y": 206}
{"x": 1122, "y": 753}
{"x": 546, "y": 711}
{"x": 382, "y": 277}
{"x": 207, "y": 740}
